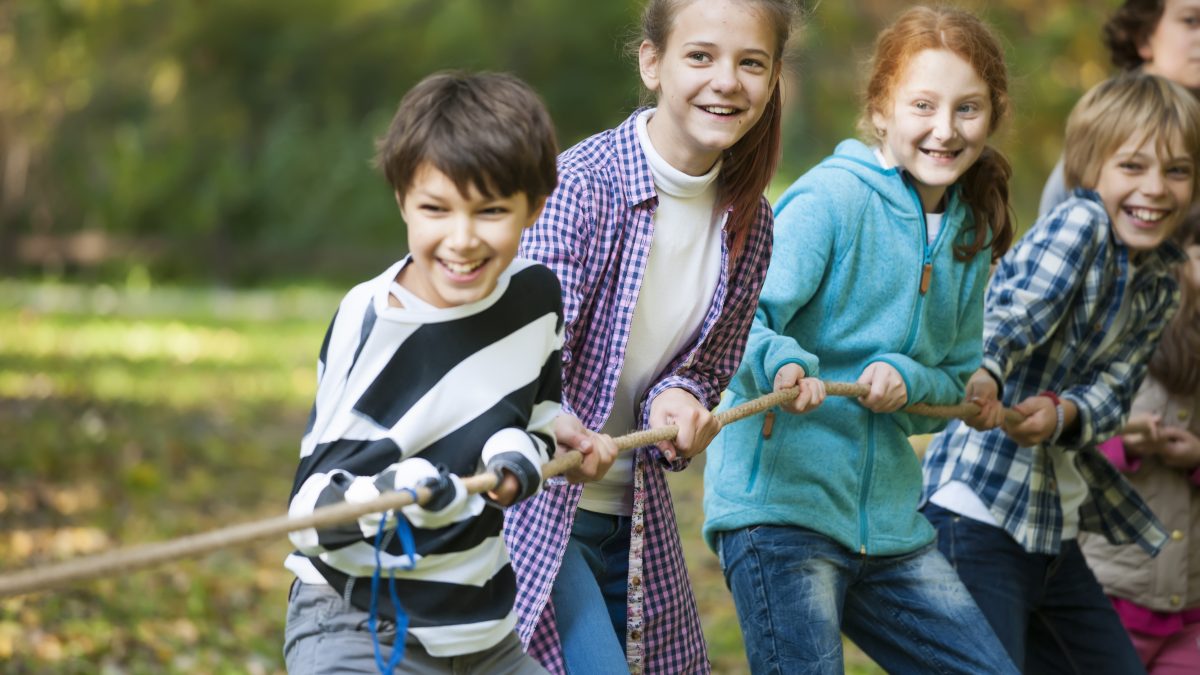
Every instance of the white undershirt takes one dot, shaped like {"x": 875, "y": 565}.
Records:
{"x": 682, "y": 272}
{"x": 933, "y": 221}
{"x": 1072, "y": 489}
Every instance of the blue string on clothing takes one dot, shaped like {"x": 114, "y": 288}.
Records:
{"x": 409, "y": 547}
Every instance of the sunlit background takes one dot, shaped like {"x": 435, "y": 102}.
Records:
{"x": 186, "y": 190}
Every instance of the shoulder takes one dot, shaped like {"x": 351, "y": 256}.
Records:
{"x": 533, "y": 283}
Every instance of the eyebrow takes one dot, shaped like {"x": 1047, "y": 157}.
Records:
{"x": 713, "y": 45}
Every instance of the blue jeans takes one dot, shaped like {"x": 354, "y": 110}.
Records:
{"x": 589, "y": 594}
{"x": 796, "y": 591}
{"x": 1048, "y": 610}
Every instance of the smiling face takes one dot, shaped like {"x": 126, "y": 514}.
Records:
{"x": 937, "y": 122}
{"x": 713, "y": 78}
{"x": 460, "y": 244}
{"x": 1146, "y": 194}
{"x": 1172, "y": 50}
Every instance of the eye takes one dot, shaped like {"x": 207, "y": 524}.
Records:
{"x": 699, "y": 57}
{"x": 968, "y": 108}
{"x": 431, "y": 208}
{"x": 755, "y": 64}
{"x": 1191, "y": 20}
{"x": 924, "y": 106}
{"x": 1130, "y": 165}
{"x": 494, "y": 210}
{"x": 1180, "y": 171}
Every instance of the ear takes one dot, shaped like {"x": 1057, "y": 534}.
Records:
{"x": 648, "y": 65}
{"x": 1145, "y": 51}
{"x": 400, "y": 203}
{"x": 879, "y": 121}
{"x": 535, "y": 213}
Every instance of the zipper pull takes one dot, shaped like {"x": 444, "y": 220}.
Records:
{"x": 926, "y": 275}
{"x": 768, "y": 423}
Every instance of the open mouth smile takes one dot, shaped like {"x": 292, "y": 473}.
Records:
{"x": 721, "y": 110}
{"x": 941, "y": 154}
{"x": 1146, "y": 217}
{"x": 461, "y": 269}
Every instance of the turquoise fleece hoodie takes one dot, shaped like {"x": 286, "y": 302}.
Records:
{"x": 843, "y": 291}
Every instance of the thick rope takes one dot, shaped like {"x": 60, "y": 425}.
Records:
{"x": 124, "y": 560}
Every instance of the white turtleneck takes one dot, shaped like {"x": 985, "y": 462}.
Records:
{"x": 681, "y": 276}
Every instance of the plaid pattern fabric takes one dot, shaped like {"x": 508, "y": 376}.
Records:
{"x": 595, "y": 233}
{"x": 1053, "y": 298}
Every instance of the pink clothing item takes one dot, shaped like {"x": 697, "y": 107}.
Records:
{"x": 1145, "y": 620}
{"x": 1176, "y": 654}
{"x": 1114, "y": 450}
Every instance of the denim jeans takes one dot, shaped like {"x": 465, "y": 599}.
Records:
{"x": 1048, "y": 610}
{"x": 796, "y": 591}
{"x": 589, "y": 594}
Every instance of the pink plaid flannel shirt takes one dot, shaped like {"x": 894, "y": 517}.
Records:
{"x": 595, "y": 233}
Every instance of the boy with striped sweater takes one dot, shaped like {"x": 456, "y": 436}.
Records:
{"x": 446, "y": 364}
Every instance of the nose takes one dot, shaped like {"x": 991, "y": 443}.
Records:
{"x": 725, "y": 78}
{"x": 943, "y": 125}
{"x": 1153, "y": 184}
{"x": 462, "y": 234}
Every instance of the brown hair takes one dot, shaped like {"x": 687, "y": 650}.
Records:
{"x": 1176, "y": 362}
{"x": 985, "y": 184}
{"x": 1129, "y": 28}
{"x": 489, "y": 131}
{"x": 747, "y": 167}
{"x": 1129, "y": 105}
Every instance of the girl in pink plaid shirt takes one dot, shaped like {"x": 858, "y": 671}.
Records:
{"x": 660, "y": 236}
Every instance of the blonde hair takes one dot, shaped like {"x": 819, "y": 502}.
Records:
{"x": 1129, "y": 105}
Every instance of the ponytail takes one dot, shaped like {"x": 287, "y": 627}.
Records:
{"x": 985, "y": 190}
{"x": 746, "y": 171}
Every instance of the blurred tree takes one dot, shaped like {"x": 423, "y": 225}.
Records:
{"x": 231, "y": 139}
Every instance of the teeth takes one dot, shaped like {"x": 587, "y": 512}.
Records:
{"x": 719, "y": 110}
{"x": 462, "y": 268}
{"x": 940, "y": 154}
{"x": 1147, "y": 215}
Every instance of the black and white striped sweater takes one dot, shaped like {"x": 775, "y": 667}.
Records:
{"x": 403, "y": 389}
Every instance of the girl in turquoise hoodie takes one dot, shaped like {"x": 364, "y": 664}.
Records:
{"x": 881, "y": 258}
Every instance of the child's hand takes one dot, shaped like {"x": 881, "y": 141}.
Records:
{"x": 1040, "y": 420}
{"x": 598, "y": 450}
{"x": 1179, "y": 449}
{"x": 1145, "y": 439}
{"x": 812, "y": 390}
{"x": 697, "y": 426}
{"x": 887, "y": 393}
{"x": 982, "y": 391}
{"x": 508, "y": 489}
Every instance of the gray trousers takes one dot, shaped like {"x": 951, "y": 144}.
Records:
{"x": 325, "y": 634}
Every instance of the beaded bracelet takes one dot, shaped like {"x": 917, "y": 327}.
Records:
{"x": 1058, "y": 416}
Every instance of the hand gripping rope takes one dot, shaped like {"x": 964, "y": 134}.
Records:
{"x": 125, "y": 560}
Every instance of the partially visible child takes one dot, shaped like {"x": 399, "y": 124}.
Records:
{"x": 1073, "y": 314}
{"x": 1159, "y": 37}
{"x": 445, "y": 365}
{"x": 878, "y": 276}
{"x": 661, "y": 236}
{"x": 1158, "y": 599}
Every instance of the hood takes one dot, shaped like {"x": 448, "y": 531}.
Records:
{"x": 892, "y": 185}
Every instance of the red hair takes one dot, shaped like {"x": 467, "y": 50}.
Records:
{"x": 985, "y": 183}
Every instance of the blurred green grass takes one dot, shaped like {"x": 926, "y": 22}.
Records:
{"x": 135, "y": 414}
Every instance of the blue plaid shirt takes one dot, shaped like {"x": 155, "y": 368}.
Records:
{"x": 595, "y": 233}
{"x": 1053, "y": 298}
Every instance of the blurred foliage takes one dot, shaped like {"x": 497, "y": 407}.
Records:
{"x": 230, "y": 140}
{"x": 134, "y": 415}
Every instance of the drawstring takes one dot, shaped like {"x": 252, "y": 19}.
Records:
{"x": 409, "y": 547}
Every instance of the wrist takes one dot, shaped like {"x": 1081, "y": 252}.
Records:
{"x": 1059, "y": 418}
